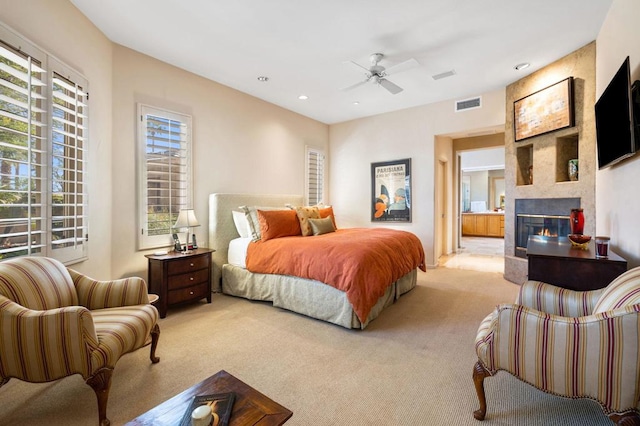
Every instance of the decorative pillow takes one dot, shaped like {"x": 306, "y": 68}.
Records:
{"x": 242, "y": 224}
{"x": 304, "y": 214}
{"x": 322, "y": 226}
{"x": 252, "y": 218}
{"x": 326, "y": 212}
{"x": 278, "y": 223}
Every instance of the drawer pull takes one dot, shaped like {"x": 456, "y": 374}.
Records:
{"x": 190, "y": 278}
{"x": 191, "y": 293}
{"x": 191, "y": 264}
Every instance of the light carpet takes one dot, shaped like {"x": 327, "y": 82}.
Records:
{"x": 411, "y": 366}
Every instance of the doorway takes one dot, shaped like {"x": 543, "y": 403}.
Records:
{"x": 478, "y": 180}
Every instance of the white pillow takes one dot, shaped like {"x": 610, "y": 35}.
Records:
{"x": 242, "y": 224}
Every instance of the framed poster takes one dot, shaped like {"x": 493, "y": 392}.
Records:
{"x": 391, "y": 191}
{"x": 544, "y": 111}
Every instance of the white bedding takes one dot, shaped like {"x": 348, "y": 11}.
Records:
{"x": 237, "y": 255}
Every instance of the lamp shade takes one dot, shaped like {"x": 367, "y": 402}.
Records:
{"x": 186, "y": 219}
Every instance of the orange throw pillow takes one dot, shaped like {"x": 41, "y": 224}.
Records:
{"x": 326, "y": 212}
{"x": 278, "y": 223}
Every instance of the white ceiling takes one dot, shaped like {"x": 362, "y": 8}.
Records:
{"x": 303, "y": 46}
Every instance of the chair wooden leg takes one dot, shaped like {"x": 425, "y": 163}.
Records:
{"x": 3, "y": 381}
{"x": 101, "y": 382}
{"x": 479, "y": 373}
{"x": 155, "y": 335}
{"x": 627, "y": 419}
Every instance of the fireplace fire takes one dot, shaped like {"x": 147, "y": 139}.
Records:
{"x": 536, "y": 224}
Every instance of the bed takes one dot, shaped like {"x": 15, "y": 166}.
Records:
{"x": 309, "y": 297}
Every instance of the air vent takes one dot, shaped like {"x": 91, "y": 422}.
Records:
{"x": 467, "y": 104}
{"x": 444, "y": 74}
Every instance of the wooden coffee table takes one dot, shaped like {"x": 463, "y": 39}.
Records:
{"x": 250, "y": 406}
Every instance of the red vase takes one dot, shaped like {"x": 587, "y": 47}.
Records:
{"x": 576, "y": 220}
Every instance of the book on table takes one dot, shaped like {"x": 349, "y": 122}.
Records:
{"x": 221, "y": 405}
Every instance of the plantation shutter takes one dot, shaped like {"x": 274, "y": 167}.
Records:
{"x": 69, "y": 221}
{"x": 22, "y": 154}
{"x": 166, "y": 170}
{"x": 315, "y": 176}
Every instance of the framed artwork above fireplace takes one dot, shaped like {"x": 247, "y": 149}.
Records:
{"x": 544, "y": 111}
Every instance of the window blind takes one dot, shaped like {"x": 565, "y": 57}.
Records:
{"x": 315, "y": 176}
{"x": 69, "y": 222}
{"x": 166, "y": 173}
{"x": 22, "y": 154}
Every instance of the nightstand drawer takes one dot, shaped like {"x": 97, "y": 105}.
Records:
{"x": 189, "y": 279}
{"x": 188, "y": 264}
{"x": 180, "y": 277}
{"x": 188, "y": 293}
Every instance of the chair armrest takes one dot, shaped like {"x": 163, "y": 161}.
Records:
{"x": 569, "y": 356}
{"x": 97, "y": 294}
{"x": 555, "y": 300}
{"x": 65, "y": 338}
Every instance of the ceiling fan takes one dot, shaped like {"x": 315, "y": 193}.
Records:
{"x": 377, "y": 74}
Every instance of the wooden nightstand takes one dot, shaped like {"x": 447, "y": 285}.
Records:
{"x": 180, "y": 278}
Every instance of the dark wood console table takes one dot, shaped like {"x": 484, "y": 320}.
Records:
{"x": 555, "y": 261}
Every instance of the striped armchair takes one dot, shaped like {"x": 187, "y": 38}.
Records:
{"x": 55, "y": 322}
{"x": 568, "y": 343}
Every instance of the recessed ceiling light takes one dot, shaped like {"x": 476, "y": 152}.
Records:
{"x": 522, "y": 66}
{"x": 303, "y": 97}
{"x": 356, "y": 103}
{"x": 263, "y": 78}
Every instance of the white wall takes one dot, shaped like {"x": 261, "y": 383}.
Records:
{"x": 408, "y": 133}
{"x": 240, "y": 144}
{"x": 78, "y": 43}
{"x": 617, "y": 201}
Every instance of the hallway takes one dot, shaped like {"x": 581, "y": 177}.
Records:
{"x": 477, "y": 254}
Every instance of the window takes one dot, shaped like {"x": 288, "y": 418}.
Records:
{"x": 164, "y": 140}
{"x": 43, "y": 136}
{"x": 314, "y": 176}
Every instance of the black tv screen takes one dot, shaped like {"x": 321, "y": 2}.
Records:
{"x": 616, "y": 139}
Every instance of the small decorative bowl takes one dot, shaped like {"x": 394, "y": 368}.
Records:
{"x": 579, "y": 241}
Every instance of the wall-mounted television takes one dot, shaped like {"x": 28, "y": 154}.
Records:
{"x": 618, "y": 136}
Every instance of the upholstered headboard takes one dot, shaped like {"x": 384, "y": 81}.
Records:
{"x": 221, "y": 226}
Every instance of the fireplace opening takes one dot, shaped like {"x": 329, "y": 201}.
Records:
{"x": 537, "y": 224}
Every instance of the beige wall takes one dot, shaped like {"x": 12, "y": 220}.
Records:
{"x": 240, "y": 143}
{"x": 79, "y": 44}
{"x": 617, "y": 202}
{"x": 409, "y": 133}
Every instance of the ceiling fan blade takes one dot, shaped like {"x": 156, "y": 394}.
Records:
{"x": 358, "y": 65}
{"x": 353, "y": 86}
{"x": 391, "y": 87}
{"x": 402, "y": 66}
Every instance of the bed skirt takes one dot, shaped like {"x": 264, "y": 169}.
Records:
{"x": 308, "y": 297}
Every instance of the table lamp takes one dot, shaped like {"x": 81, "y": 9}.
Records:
{"x": 186, "y": 219}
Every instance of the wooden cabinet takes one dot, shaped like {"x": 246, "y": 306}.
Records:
{"x": 468, "y": 224}
{"x": 495, "y": 225}
{"x": 553, "y": 260}
{"x": 483, "y": 225}
{"x": 180, "y": 278}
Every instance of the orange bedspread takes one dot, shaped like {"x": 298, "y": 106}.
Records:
{"x": 362, "y": 262}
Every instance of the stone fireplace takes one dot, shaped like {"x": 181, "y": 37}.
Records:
{"x": 539, "y": 191}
